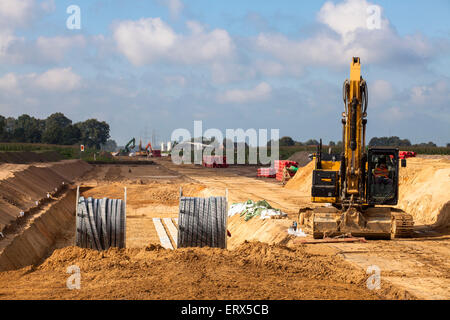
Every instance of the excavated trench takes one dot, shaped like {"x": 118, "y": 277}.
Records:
{"x": 34, "y": 239}
{"x": 37, "y": 209}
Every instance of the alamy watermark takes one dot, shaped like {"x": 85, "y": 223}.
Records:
{"x": 237, "y": 142}
{"x": 73, "y": 22}
{"x": 373, "y": 282}
{"x": 74, "y": 280}
{"x": 374, "y": 17}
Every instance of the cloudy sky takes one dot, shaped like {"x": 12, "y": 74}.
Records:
{"x": 156, "y": 65}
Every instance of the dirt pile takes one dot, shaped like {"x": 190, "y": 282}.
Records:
{"x": 302, "y": 180}
{"x": 424, "y": 190}
{"x": 24, "y": 188}
{"x": 253, "y": 271}
{"x": 265, "y": 230}
{"x": 29, "y": 157}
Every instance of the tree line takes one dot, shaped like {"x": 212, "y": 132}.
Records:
{"x": 56, "y": 129}
{"x": 375, "y": 141}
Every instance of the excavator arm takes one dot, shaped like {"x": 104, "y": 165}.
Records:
{"x": 148, "y": 148}
{"x": 130, "y": 145}
{"x": 354, "y": 127}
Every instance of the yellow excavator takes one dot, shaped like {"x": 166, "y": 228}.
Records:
{"x": 359, "y": 185}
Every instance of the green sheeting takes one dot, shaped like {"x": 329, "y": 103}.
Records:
{"x": 253, "y": 209}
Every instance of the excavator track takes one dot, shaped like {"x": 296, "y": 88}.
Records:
{"x": 402, "y": 225}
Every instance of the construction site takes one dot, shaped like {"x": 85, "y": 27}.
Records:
{"x": 294, "y": 183}
{"x": 262, "y": 260}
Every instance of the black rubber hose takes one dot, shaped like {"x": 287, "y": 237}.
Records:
{"x": 364, "y": 96}
{"x": 363, "y": 175}
{"x": 342, "y": 171}
{"x": 353, "y": 125}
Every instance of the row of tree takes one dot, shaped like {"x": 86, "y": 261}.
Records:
{"x": 375, "y": 141}
{"x": 397, "y": 142}
{"x": 56, "y": 129}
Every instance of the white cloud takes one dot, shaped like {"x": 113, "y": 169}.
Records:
{"x": 175, "y": 7}
{"x": 348, "y": 35}
{"x": 62, "y": 80}
{"x": 259, "y": 93}
{"x": 429, "y": 99}
{"x": 380, "y": 91}
{"x": 431, "y": 96}
{"x": 40, "y": 92}
{"x": 55, "y": 48}
{"x": 6, "y": 39}
{"x": 145, "y": 40}
{"x": 347, "y": 17}
{"x": 15, "y": 12}
{"x": 320, "y": 50}
{"x": 150, "y": 39}
{"x": 48, "y": 5}
{"x": 9, "y": 82}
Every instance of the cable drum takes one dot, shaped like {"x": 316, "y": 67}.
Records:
{"x": 100, "y": 223}
{"x": 202, "y": 222}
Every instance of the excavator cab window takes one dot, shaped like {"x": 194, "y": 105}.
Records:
{"x": 382, "y": 176}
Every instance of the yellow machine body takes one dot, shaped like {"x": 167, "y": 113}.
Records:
{"x": 348, "y": 182}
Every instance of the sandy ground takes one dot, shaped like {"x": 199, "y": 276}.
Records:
{"x": 412, "y": 268}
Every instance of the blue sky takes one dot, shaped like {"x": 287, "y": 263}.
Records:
{"x": 158, "y": 65}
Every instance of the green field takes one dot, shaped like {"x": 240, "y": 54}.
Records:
{"x": 73, "y": 152}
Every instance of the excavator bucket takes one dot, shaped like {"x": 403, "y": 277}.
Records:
{"x": 373, "y": 223}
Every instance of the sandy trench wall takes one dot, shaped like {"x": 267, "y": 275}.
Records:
{"x": 424, "y": 189}
{"x": 34, "y": 242}
{"x": 21, "y": 191}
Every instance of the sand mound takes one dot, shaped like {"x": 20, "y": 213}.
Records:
{"x": 302, "y": 180}
{"x": 20, "y": 191}
{"x": 29, "y": 157}
{"x": 424, "y": 190}
{"x": 253, "y": 271}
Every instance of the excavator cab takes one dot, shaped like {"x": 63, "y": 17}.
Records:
{"x": 382, "y": 177}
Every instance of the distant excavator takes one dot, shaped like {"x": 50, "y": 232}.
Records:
{"x": 148, "y": 151}
{"x": 128, "y": 147}
{"x": 356, "y": 181}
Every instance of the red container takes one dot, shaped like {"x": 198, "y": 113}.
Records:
{"x": 156, "y": 153}
{"x": 406, "y": 154}
{"x": 280, "y": 164}
{"x": 266, "y": 173}
{"x": 279, "y": 176}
